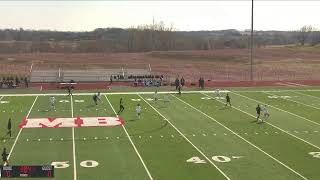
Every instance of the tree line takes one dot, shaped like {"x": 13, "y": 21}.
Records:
{"x": 144, "y": 38}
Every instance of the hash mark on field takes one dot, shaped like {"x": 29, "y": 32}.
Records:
{"x": 61, "y": 139}
{"x": 193, "y": 135}
{"x": 172, "y": 136}
{"x": 84, "y": 139}
{"x": 315, "y": 131}
{"x": 4, "y": 140}
{"x": 150, "y": 136}
{"x": 107, "y": 137}
{"x": 296, "y": 131}
{"x": 204, "y": 134}
{"x": 95, "y": 138}
{"x": 39, "y": 139}
{"x": 27, "y": 140}
{"x": 161, "y": 136}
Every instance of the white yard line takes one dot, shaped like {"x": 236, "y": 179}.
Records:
{"x": 161, "y": 92}
{"x": 286, "y": 166}
{"x": 16, "y": 140}
{"x": 306, "y": 95}
{"x": 73, "y": 146}
{"x": 133, "y": 145}
{"x": 309, "y": 143}
{"x": 186, "y": 138}
{"x": 277, "y": 108}
{"x": 293, "y": 101}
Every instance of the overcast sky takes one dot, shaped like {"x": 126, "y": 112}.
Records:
{"x": 185, "y": 15}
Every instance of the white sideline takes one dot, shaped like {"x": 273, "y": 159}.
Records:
{"x": 160, "y": 92}
{"x": 133, "y": 145}
{"x": 286, "y": 166}
{"x": 271, "y": 125}
{"x": 278, "y": 109}
{"x": 73, "y": 146}
{"x": 293, "y": 101}
{"x": 306, "y": 95}
{"x": 16, "y": 140}
{"x": 186, "y": 138}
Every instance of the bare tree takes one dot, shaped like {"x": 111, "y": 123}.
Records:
{"x": 303, "y": 34}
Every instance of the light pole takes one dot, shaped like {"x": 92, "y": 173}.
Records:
{"x": 251, "y": 44}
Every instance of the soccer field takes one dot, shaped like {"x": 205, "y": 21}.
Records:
{"x": 191, "y": 137}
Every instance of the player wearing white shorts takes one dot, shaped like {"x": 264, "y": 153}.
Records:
{"x": 166, "y": 98}
{"x": 138, "y": 110}
{"x": 52, "y": 102}
{"x": 265, "y": 112}
{"x": 217, "y": 93}
{"x": 155, "y": 96}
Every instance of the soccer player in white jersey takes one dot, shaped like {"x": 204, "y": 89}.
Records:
{"x": 265, "y": 112}
{"x": 53, "y": 102}
{"x": 138, "y": 110}
{"x": 217, "y": 93}
{"x": 156, "y": 96}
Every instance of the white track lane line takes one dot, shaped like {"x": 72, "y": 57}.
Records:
{"x": 73, "y": 146}
{"x": 161, "y": 92}
{"x": 271, "y": 125}
{"x": 293, "y": 101}
{"x": 186, "y": 138}
{"x": 286, "y": 166}
{"x": 306, "y": 95}
{"x": 16, "y": 140}
{"x": 133, "y": 145}
{"x": 277, "y": 108}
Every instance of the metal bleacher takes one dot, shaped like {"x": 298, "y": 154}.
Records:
{"x": 96, "y": 75}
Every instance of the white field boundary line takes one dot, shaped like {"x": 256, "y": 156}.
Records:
{"x": 277, "y": 108}
{"x": 186, "y": 138}
{"x": 73, "y": 145}
{"x": 308, "y": 105}
{"x": 133, "y": 145}
{"x": 297, "y": 84}
{"x": 16, "y": 140}
{"x": 281, "y": 163}
{"x": 309, "y": 143}
{"x": 161, "y": 92}
{"x": 306, "y": 95}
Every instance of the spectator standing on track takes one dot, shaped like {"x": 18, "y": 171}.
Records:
{"x": 26, "y": 82}
{"x": 177, "y": 83}
{"x": 9, "y": 127}
{"x": 182, "y": 82}
{"x": 111, "y": 79}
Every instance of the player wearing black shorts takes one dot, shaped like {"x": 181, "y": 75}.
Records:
{"x": 69, "y": 91}
{"x": 179, "y": 90}
{"x": 228, "y": 99}
{"x": 95, "y": 99}
{"x": 5, "y": 156}
{"x": 258, "y": 110}
{"x": 121, "y": 106}
{"x": 9, "y": 127}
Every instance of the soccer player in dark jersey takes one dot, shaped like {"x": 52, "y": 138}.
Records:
{"x": 95, "y": 99}
{"x": 5, "y": 157}
{"x": 228, "y": 99}
{"x": 9, "y": 127}
{"x": 69, "y": 91}
{"x": 121, "y": 106}
{"x": 179, "y": 89}
{"x": 258, "y": 110}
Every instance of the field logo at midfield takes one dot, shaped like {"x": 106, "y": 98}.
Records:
{"x": 71, "y": 122}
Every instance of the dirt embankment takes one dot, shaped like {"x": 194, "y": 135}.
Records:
{"x": 225, "y": 64}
